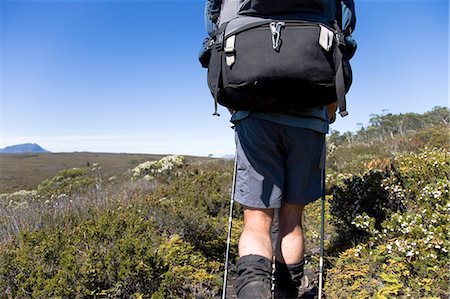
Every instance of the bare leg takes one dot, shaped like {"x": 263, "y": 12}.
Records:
{"x": 289, "y": 252}
{"x": 290, "y": 244}
{"x": 255, "y": 238}
{"x": 254, "y": 267}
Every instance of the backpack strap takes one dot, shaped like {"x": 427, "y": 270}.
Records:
{"x": 344, "y": 25}
{"x": 340, "y": 82}
{"x": 218, "y": 45}
{"x": 347, "y": 21}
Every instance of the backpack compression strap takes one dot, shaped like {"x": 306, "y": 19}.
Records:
{"x": 340, "y": 82}
{"x": 218, "y": 44}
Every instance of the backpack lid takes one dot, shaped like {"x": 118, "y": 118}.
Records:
{"x": 271, "y": 7}
{"x": 237, "y": 24}
{"x": 321, "y": 11}
{"x": 229, "y": 10}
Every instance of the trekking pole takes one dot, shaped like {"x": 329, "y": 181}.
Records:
{"x": 322, "y": 231}
{"x": 230, "y": 221}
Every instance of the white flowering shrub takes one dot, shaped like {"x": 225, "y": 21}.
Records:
{"x": 423, "y": 230}
{"x": 151, "y": 169}
{"x": 365, "y": 223}
{"x": 13, "y": 204}
{"x": 360, "y": 204}
{"x": 18, "y": 199}
{"x": 407, "y": 256}
{"x": 418, "y": 170}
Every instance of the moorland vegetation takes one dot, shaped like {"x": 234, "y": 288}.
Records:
{"x": 158, "y": 230}
{"x": 27, "y": 171}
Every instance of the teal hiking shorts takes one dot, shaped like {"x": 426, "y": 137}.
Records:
{"x": 277, "y": 163}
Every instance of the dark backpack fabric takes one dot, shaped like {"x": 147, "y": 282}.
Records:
{"x": 273, "y": 7}
{"x": 346, "y": 20}
{"x": 268, "y": 57}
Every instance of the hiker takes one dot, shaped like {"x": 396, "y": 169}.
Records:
{"x": 280, "y": 156}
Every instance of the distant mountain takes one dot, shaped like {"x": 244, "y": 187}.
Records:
{"x": 23, "y": 149}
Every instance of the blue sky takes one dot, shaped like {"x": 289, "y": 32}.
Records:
{"x": 123, "y": 76}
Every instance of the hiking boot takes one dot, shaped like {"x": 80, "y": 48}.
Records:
{"x": 310, "y": 294}
{"x": 287, "y": 280}
{"x": 253, "y": 280}
{"x": 255, "y": 290}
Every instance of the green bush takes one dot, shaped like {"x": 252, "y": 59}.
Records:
{"x": 354, "y": 158}
{"x": 361, "y": 204}
{"x": 407, "y": 255}
{"x": 114, "y": 254}
{"x": 195, "y": 205}
{"x": 67, "y": 182}
{"x": 167, "y": 244}
{"x": 415, "y": 170}
{"x": 435, "y": 136}
{"x": 151, "y": 169}
{"x": 191, "y": 274}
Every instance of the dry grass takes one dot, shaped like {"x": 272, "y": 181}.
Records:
{"x": 19, "y": 213}
{"x": 30, "y": 210}
{"x": 26, "y": 171}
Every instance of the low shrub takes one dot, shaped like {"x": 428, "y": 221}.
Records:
{"x": 68, "y": 181}
{"x": 112, "y": 255}
{"x": 168, "y": 243}
{"x": 361, "y": 204}
{"x": 406, "y": 255}
{"x": 434, "y": 136}
{"x": 191, "y": 274}
{"x": 151, "y": 169}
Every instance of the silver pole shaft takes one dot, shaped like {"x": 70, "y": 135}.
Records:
{"x": 322, "y": 234}
{"x": 230, "y": 224}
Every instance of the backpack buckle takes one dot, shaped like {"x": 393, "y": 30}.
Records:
{"x": 340, "y": 36}
{"x": 326, "y": 37}
{"x": 275, "y": 29}
{"x": 230, "y": 50}
{"x": 218, "y": 43}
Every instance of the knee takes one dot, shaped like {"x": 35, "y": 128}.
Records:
{"x": 258, "y": 221}
{"x": 255, "y": 237}
{"x": 291, "y": 221}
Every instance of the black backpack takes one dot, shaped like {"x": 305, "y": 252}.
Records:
{"x": 277, "y": 55}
